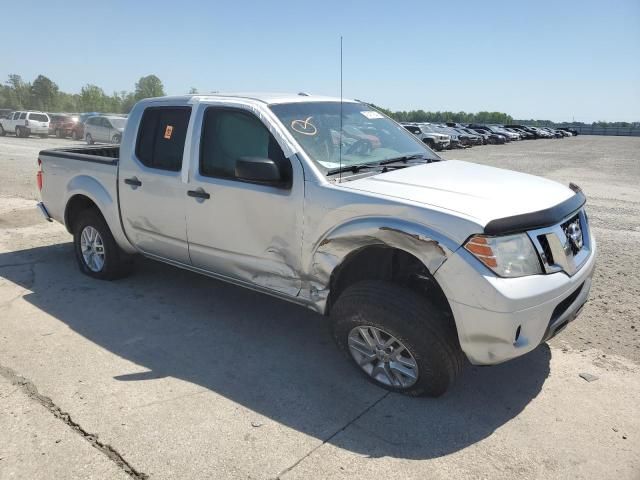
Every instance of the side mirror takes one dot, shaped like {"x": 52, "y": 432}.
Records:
{"x": 258, "y": 170}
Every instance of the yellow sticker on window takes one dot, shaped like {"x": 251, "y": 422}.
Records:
{"x": 168, "y": 131}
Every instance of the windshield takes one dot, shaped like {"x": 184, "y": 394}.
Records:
{"x": 118, "y": 122}
{"x": 367, "y": 135}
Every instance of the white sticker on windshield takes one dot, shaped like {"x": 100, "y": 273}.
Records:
{"x": 370, "y": 114}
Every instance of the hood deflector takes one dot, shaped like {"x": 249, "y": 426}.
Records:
{"x": 535, "y": 220}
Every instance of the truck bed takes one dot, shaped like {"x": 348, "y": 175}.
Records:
{"x": 88, "y": 170}
{"x": 90, "y": 153}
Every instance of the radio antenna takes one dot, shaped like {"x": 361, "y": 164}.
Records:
{"x": 340, "y": 138}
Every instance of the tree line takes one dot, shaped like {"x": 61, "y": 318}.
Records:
{"x": 483, "y": 117}
{"x": 442, "y": 117}
{"x": 45, "y": 95}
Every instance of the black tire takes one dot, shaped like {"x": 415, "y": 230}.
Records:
{"x": 19, "y": 132}
{"x": 2, "y": 131}
{"x": 59, "y": 133}
{"x": 116, "y": 138}
{"x": 117, "y": 264}
{"x": 44, "y": 135}
{"x": 430, "y": 143}
{"x": 89, "y": 139}
{"x": 75, "y": 135}
{"x": 426, "y": 332}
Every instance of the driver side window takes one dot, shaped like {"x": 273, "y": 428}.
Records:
{"x": 227, "y": 135}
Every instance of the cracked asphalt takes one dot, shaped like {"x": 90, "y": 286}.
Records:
{"x": 167, "y": 374}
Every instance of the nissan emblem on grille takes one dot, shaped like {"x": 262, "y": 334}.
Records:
{"x": 574, "y": 235}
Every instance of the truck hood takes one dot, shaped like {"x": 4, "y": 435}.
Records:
{"x": 477, "y": 191}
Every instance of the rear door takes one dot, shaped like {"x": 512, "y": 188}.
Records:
{"x": 10, "y": 123}
{"x": 100, "y": 130}
{"x": 152, "y": 193}
{"x": 106, "y": 130}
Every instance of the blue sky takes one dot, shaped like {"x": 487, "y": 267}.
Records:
{"x": 537, "y": 59}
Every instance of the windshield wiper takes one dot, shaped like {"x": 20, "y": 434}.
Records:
{"x": 385, "y": 164}
{"x": 406, "y": 158}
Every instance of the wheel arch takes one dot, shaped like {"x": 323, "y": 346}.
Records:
{"x": 386, "y": 263}
{"x": 87, "y": 192}
{"x": 382, "y": 247}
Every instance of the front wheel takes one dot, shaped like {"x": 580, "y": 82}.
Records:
{"x": 2, "y": 131}
{"x": 89, "y": 139}
{"x": 97, "y": 252}
{"x": 116, "y": 138}
{"x": 397, "y": 338}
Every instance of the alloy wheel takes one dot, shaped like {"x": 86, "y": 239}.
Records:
{"x": 383, "y": 357}
{"x": 92, "y": 248}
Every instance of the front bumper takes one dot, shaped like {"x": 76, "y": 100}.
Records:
{"x": 502, "y": 318}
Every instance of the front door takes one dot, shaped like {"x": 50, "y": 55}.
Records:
{"x": 244, "y": 231}
{"x": 152, "y": 193}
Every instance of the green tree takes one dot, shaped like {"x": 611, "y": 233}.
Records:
{"x": 44, "y": 94}
{"x": 21, "y": 91}
{"x": 149, "y": 86}
{"x": 92, "y": 98}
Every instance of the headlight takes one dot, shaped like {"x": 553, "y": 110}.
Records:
{"x": 507, "y": 256}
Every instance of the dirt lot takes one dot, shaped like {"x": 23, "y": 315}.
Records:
{"x": 168, "y": 374}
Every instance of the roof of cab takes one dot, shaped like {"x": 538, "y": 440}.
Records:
{"x": 268, "y": 98}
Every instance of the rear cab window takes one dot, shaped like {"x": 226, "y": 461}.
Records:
{"x": 161, "y": 137}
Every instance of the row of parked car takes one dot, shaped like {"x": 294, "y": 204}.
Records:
{"x": 91, "y": 126}
{"x": 441, "y": 136}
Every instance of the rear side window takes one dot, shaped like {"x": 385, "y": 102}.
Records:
{"x": 38, "y": 117}
{"x": 161, "y": 138}
{"x": 23, "y": 115}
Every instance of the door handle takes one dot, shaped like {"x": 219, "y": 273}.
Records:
{"x": 134, "y": 182}
{"x": 199, "y": 193}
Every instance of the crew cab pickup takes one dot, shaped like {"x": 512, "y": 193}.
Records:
{"x": 419, "y": 263}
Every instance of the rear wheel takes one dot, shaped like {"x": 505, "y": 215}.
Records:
{"x": 96, "y": 250}
{"x": 89, "y": 139}
{"x": 19, "y": 132}
{"x": 59, "y": 133}
{"x": 116, "y": 138}
{"x": 430, "y": 143}
{"x": 397, "y": 338}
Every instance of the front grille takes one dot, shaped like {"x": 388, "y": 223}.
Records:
{"x": 565, "y": 246}
{"x": 546, "y": 250}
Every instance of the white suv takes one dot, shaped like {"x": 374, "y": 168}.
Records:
{"x": 25, "y": 123}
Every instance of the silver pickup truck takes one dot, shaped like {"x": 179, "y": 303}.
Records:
{"x": 419, "y": 263}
